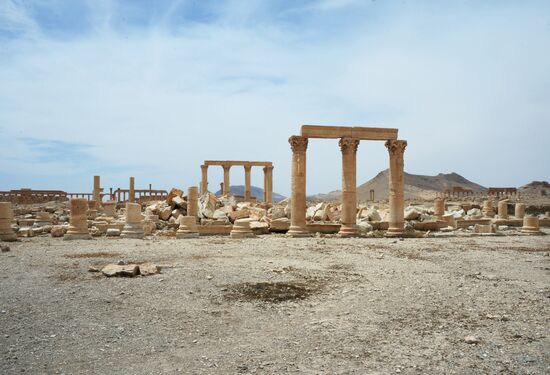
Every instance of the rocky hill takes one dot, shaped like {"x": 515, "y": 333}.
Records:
{"x": 536, "y": 189}
{"x": 256, "y": 192}
{"x": 416, "y": 186}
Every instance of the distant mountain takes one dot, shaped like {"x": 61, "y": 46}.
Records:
{"x": 256, "y": 192}
{"x": 536, "y": 188}
{"x": 416, "y": 186}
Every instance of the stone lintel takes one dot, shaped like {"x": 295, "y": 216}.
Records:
{"x": 363, "y": 133}
{"x": 238, "y": 163}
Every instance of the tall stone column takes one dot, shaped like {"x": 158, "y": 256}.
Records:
{"x": 226, "y": 186}
{"x": 78, "y": 223}
{"x": 268, "y": 184}
{"x": 348, "y": 146}
{"x": 298, "y": 227}
{"x": 396, "y": 149}
{"x": 132, "y": 194}
{"x": 97, "y": 190}
{"x": 204, "y": 179}
{"x": 192, "y": 201}
{"x": 6, "y": 216}
{"x": 247, "y": 195}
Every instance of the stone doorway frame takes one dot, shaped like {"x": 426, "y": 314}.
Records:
{"x": 349, "y": 141}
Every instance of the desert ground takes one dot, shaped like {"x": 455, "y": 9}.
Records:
{"x": 456, "y": 305}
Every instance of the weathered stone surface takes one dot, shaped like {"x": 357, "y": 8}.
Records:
{"x": 165, "y": 213}
{"x": 113, "y": 232}
{"x": 412, "y": 213}
{"x": 241, "y": 229}
{"x": 146, "y": 269}
{"x": 126, "y": 270}
{"x": 281, "y": 225}
{"x": 259, "y": 227}
{"x": 481, "y": 228}
{"x": 207, "y": 205}
{"x": 277, "y": 212}
{"x": 172, "y": 194}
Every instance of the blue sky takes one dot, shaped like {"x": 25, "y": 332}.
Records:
{"x": 152, "y": 88}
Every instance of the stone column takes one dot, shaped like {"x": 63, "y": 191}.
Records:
{"x": 204, "y": 179}
{"x": 6, "y": 216}
{"x": 298, "y": 226}
{"x": 247, "y": 195}
{"x": 530, "y": 225}
{"x": 268, "y": 184}
{"x": 520, "y": 210}
{"x": 439, "y": 208}
{"x": 396, "y": 148}
{"x": 488, "y": 210}
{"x": 187, "y": 227}
{"x": 132, "y": 195}
{"x": 97, "y": 191}
{"x": 226, "y": 186}
{"x": 192, "y": 201}
{"x": 348, "y": 146}
{"x": 78, "y": 223}
{"x": 134, "y": 222}
{"x": 503, "y": 209}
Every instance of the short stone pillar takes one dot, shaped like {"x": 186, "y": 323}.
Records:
{"x": 530, "y": 225}
{"x": 396, "y": 149}
{"x": 487, "y": 209}
{"x": 78, "y": 223}
{"x": 132, "y": 191}
{"x": 247, "y": 184}
{"x": 268, "y": 184}
{"x": 241, "y": 229}
{"x": 439, "y": 208}
{"x": 503, "y": 209}
{"x": 348, "y": 147}
{"x": 187, "y": 227}
{"x": 6, "y": 216}
{"x": 298, "y": 226}
{"x": 97, "y": 191}
{"x": 192, "y": 201}
{"x": 226, "y": 187}
{"x": 133, "y": 228}
{"x": 109, "y": 208}
{"x": 519, "y": 212}
{"x": 204, "y": 179}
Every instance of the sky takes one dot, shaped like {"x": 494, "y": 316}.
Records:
{"x": 151, "y": 88}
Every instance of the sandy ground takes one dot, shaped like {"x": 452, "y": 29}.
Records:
{"x": 278, "y": 305}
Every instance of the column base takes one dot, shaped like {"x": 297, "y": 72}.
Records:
{"x": 296, "y": 231}
{"x": 530, "y": 230}
{"x": 348, "y": 231}
{"x": 395, "y": 232}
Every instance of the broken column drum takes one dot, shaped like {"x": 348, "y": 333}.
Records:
{"x": 519, "y": 212}
{"x": 78, "y": 223}
{"x": 109, "y": 208}
{"x": 439, "y": 208}
{"x": 298, "y": 227}
{"x": 503, "y": 209}
{"x": 488, "y": 210}
{"x": 133, "y": 228}
{"x": 6, "y": 216}
{"x": 531, "y": 225}
{"x": 396, "y": 149}
{"x": 192, "y": 201}
{"x": 348, "y": 146}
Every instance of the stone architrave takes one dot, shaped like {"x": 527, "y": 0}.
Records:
{"x": 488, "y": 210}
{"x": 78, "y": 223}
{"x": 226, "y": 187}
{"x": 348, "y": 147}
{"x": 519, "y": 211}
{"x": 241, "y": 229}
{"x": 268, "y": 184}
{"x": 396, "y": 149}
{"x": 247, "y": 193}
{"x": 132, "y": 191}
{"x": 298, "y": 226}
{"x": 109, "y": 208}
{"x": 133, "y": 228}
{"x": 503, "y": 209}
{"x": 6, "y": 216}
{"x": 530, "y": 225}
{"x": 204, "y": 179}
{"x": 193, "y": 201}
{"x": 187, "y": 227}
{"x": 439, "y": 208}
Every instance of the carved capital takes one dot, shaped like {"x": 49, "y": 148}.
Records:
{"x": 204, "y": 167}
{"x": 247, "y": 168}
{"x": 298, "y": 143}
{"x": 396, "y": 147}
{"x": 348, "y": 144}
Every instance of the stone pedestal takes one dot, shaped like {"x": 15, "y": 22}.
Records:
{"x": 78, "y": 224}
{"x": 503, "y": 209}
{"x": 226, "y": 186}
{"x": 132, "y": 192}
{"x": 268, "y": 184}
{"x": 247, "y": 194}
{"x": 241, "y": 229}
{"x": 6, "y": 216}
{"x": 487, "y": 209}
{"x": 133, "y": 228}
{"x": 192, "y": 201}
{"x": 298, "y": 226}
{"x": 109, "y": 208}
{"x": 396, "y": 149}
{"x": 439, "y": 208}
{"x": 187, "y": 227}
{"x": 204, "y": 179}
{"x": 348, "y": 146}
{"x": 519, "y": 212}
{"x": 530, "y": 225}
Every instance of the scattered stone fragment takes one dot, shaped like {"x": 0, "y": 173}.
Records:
{"x": 127, "y": 270}
{"x": 113, "y": 232}
{"x": 472, "y": 339}
{"x": 146, "y": 269}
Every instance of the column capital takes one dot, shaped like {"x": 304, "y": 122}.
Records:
{"x": 268, "y": 168}
{"x": 226, "y": 167}
{"x": 247, "y": 168}
{"x": 204, "y": 166}
{"x": 396, "y": 147}
{"x": 348, "y": 144}
{"x": 298, "y": 143}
